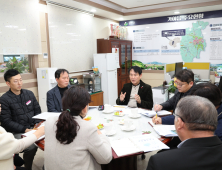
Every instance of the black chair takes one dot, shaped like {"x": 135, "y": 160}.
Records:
{"x": 18, "y": 162}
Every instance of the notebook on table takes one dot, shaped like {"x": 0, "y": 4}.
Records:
{"x": 33, "y": 131}
{"x": 152, "y": 113}
{"x": 136, "y": 144}
{"x": 46, "y": 115}
{"x": 164, "y": 130}
{"x": 30, "y": 133}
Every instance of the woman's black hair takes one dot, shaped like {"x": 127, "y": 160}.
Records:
{"x": 75, "y": 99}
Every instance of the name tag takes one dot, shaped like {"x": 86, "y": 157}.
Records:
{"x": 28, "y": 102}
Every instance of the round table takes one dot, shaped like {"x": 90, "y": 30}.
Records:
{"x": 141, "y": 123}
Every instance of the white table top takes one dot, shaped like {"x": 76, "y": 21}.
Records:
{"x": 140, "y": 123}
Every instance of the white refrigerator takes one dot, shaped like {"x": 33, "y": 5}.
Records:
{"x": 107, "y": 64}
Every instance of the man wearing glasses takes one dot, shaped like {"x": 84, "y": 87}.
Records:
{"x": 184, "y": 82}
{"x": 18, "y": 108}
{"x": 195, "y": 122}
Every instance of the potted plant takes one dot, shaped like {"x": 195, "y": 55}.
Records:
{"x": 20, "y": 66}
{"x": 171, "y": 89}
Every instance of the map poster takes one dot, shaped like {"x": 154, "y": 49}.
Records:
{"x": 193, "y": 43}
{"x": 186, "y": 41}
{"x": 141, "y": 37}
{"x": 174, "y": 38}
{"x": 216, "y": 41}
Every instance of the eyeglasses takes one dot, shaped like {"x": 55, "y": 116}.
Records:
{"x": 198, "y": 122}
{"x": 178, "y": 84}
{"x": 178, "y": 116}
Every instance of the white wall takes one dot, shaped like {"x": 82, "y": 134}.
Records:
{"x": 19, "y": 27}
{"x": 73, "y": 38}
{"x": 1, "y": 58}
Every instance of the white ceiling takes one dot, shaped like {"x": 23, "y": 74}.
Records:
{"x": 119, "y": 17}
{"x": 140, "y": 3}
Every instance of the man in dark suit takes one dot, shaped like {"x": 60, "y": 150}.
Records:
{"x": 54, "y": 96}
{"x": 195, "y": 123}
{"x": 185, "y": 83}
{"x": 136, "y": 93}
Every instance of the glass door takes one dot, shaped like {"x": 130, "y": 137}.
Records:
{"x": 115, "y": 47}
{"x": 123, "y": 64}
{"x": 97, "y": 83}
{"x": 129, "y": 56}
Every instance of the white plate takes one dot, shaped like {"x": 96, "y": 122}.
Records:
{"x": 108, "y": 111}
{"x": 132, "y": 127}
{"x": 121, "y": 122}
{"x": 135, "y": 116}
{"x": 112, "y": 132}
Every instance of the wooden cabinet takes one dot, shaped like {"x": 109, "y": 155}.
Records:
{"x": 96, "y": 99}
{"x": 125, "y": 57}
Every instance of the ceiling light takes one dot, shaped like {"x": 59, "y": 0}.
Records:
{"x": 93, "y": 10}
{"x": 176, "y": 12}
{"x": 147, "y": 27}
{"x": 11, "y": 26}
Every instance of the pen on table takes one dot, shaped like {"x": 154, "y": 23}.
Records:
{"x": 156, "y": 113}
{"x": 120, "y": 106}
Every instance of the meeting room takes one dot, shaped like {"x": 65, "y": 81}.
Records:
{"x": 110, "y": 84}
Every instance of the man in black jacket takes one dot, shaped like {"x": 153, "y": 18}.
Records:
{"x": 18, "y": 108}
{"x": 195, "y": 123}
{"x": 184, "y": 82}
{"x": 136, "y": 93}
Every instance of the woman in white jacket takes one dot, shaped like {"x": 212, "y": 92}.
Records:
{"x": 72, "y": 143}
{"x": 9, "y": 145}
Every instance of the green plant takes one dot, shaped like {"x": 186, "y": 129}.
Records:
{"x": 17, "y": 65}
{"x": 171, "y": 88}
{"x": 25, "y": 61}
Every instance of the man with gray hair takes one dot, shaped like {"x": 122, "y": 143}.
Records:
{"x": 195, "y": 122}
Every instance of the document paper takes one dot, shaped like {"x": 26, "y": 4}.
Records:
{"x": 46, "y": 115}
{"x": 152, "y": 113}
{"x": 135, "y": 144}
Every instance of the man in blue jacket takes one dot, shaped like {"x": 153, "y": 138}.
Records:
{"x": 184, "y": 82}
{"x": 54, "y": 96}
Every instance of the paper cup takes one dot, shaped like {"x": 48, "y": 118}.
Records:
{"x": 134, "y": 111}
{"x": 107, "y": 107}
